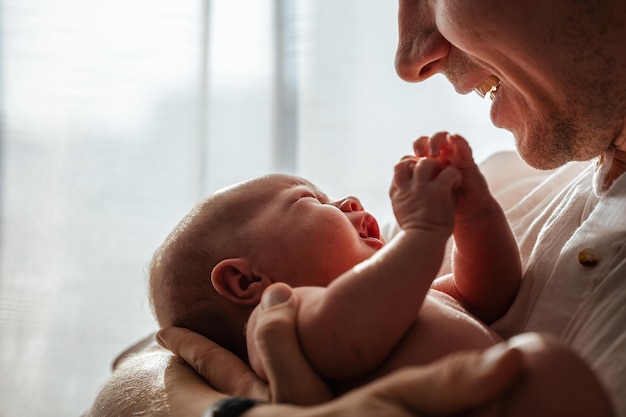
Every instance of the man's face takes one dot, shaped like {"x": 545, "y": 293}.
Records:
{"x": 561, "y": 91}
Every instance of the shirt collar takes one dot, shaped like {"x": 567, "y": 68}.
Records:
{"x": 609, "y": 166}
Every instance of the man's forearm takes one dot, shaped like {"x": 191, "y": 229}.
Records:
{"x": 153, "y": 384}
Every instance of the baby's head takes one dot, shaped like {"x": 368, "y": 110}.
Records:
{"x": 212, "y": 269}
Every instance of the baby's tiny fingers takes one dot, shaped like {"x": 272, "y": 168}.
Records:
{"x": 403, "y": 171}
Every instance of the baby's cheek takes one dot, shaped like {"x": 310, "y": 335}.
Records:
{"x": 253, "y": 354}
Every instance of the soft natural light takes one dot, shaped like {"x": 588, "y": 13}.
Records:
{"x": 118, "y": 116}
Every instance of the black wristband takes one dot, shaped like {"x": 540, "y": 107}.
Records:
{"x": 231, "y": 407}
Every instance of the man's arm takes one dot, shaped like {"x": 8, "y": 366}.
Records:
{"x": 153, "y": 383}
{"x": 464, "y": 381}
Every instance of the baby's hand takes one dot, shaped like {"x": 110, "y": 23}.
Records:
{"x": 421, "y": 194}
{"x": 472, "y": 193}
{"x": 448, "y": 149}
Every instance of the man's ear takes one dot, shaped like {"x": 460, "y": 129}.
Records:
{"x": 233, "y": 279}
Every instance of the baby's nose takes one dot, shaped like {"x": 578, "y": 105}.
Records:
{"x": 350, "y": 204}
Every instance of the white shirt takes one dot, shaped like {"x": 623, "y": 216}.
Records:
{"x": 556, "y": 216}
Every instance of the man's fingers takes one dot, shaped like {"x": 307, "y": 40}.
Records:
{"x": 437, "y": 142}
{"x": 462, "y": 381}
{"x": 420, "y": 147}
{"x": 426, "y": 169}
{"x": 221, "y": 368}
{"x": 462, "y": 152}
{"x": 291, "y": 378}
{"x": 450, "y": 177}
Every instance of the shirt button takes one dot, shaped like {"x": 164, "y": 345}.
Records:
{"x": 588, "y": 257}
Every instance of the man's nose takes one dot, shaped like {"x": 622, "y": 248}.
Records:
{"x": 350, "y": 204}
{"x": 421, "y": 48}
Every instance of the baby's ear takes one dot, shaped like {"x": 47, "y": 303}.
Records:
{"x": 233, "y": 279}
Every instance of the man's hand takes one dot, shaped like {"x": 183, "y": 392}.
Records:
{"x": 462, "y": 382}
{"x": 472, "y": 193}
{"x": 218, "y": 366}
{"x": 291, "y": 378}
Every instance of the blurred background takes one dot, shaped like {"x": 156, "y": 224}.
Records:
{"x": 117, "y": 116}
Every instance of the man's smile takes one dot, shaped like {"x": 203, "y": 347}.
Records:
{"x": 488, "y": 86}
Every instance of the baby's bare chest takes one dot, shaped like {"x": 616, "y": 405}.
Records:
{"x": 442, "y": 326}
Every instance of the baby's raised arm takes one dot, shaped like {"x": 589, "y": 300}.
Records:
{"x": 349, "y": 328}
{"x": 486, "y": 262}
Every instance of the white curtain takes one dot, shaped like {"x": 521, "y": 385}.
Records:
{"x": 117, "y": 116}
{"x": 310, "y": 88}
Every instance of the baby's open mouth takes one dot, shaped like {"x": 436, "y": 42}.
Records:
{"x": 369, "y": 228}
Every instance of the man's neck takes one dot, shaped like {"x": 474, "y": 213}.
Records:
{"x": 618, "y": 162}
{"x": 618, "y": 167}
